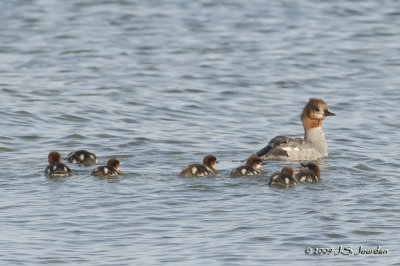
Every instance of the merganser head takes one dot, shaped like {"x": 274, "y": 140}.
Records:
{"x": 113, "y": 163}
{"x": 210, "y": 161}
{"x": 288, "y": 170}
{"x": 313, "y": 167}
{"x": 254, "y": 161}
{"x": 314, "y": 113}
{"x": 54, "y": 157}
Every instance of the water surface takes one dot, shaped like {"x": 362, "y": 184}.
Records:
{"x": 160, "y": 84}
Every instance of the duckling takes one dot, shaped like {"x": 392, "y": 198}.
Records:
{"x": 252, "y": 167}
{"x": 56, "y": 168}
{"x": 310, "y": 173}
{"x": 285, "y": 178}
{"x": 111, "y": 169}
{"x": 312, "y": 147}
{"x": 207, "y": 168}
{"x": 82, "y": 157}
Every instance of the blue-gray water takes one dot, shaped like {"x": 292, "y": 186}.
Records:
{"x": 159, "y": 84}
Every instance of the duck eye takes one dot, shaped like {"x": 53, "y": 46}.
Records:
{"x": 316, "y": 109}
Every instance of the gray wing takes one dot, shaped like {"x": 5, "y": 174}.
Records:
{"x": 275, "y": 146}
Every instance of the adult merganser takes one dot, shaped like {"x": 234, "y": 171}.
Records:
{"x": 207, "y": 168}
{"x": 82, "y": 157}
{"x": 284, "y": 179}
{"x": 56, "y": 168}
{"x": 310, "y": 173}
{"x": 111, "y": 169}
{"x": 312, "y": 147}
{"x": 252, "y": 167}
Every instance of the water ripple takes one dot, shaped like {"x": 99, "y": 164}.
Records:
{"x": 158, "y": 86}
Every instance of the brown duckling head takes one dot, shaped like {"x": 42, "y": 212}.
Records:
{"x": 254, "y": 161}
{"x": 210, "y": 161}
{"x": 54, "y": 157}
{"x": 113, "y": 163}
{"x": 288, "y": 170}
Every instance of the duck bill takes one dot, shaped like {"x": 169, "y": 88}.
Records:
{"x": 327, "y": 113}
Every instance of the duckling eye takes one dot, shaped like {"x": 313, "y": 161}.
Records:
{"x": 316, "y": 109}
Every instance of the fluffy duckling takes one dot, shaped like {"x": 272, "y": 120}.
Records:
{"x": 56, "y": 168}
{"x": 82, "y": 157}
{"x": 111, "y": 169}
{"x": 207, "y": 168}
{"x": 311, "y": 147}
{"x": 285, "y": 178}
{"x": 310, "y": 173}
{"x": 252, "y": 167}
